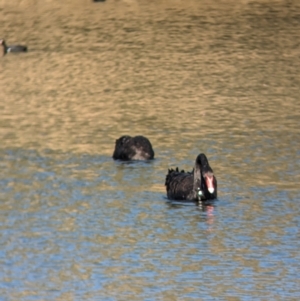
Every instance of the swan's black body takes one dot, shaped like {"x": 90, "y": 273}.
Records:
{"x": 11, "y": 48}
{"x": 133, "y": 148}
{"x": 198, "y": 185}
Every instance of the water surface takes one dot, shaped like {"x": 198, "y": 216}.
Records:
{"x": 219, "y": 77}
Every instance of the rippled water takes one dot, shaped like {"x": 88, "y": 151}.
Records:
{"x": 219, "y": 77}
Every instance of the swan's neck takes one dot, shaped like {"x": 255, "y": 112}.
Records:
{"x": 197, "y": 183}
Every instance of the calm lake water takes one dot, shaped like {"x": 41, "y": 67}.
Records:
{"x": 219, "y": 77}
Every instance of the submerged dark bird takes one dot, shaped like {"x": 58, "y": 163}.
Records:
{"x": 11, "y": 48}
{"x": 198, "y": 185}
{"x": 133, "y": 148}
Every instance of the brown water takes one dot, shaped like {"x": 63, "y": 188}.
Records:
{"x": 219, "y": 77}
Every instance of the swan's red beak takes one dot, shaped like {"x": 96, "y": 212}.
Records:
{"x": 209, "y": 180}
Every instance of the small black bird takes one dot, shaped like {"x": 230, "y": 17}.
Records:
{"x": 11, "y": 48}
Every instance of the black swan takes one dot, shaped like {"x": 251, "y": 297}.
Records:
{"x": 133, "y": 148}
{"x": 12, "y": 48}
{"x": 198, "y": 185}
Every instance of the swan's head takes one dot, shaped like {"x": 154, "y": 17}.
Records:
{"x": 207, "y": 173}
{"x": 209, "y": 181}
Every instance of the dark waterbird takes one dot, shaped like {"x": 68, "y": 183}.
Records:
{"x": 198, "y": 185}
{"x": 133, "y": 148}
{"x": 11, "y": 48}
